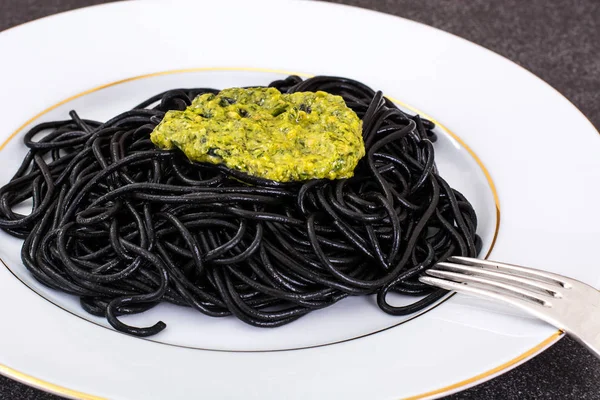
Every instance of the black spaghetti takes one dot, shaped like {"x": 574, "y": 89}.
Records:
{"x": 125, "y": 226}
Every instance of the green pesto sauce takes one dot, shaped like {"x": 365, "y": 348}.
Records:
{"x": 264, "y": 133}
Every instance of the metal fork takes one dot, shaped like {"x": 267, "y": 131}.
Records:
{"x": 566, "y": 303}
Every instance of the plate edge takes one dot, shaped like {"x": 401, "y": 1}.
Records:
{"x": 492, "y": 373}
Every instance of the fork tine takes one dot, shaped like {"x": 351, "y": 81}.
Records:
{"x": 544, "y": 313}
{"x": 537, "y": 285}
{"x": 492, "y": 285}
{"x": 531, "y": 307}
{"x": 511, "y": 268}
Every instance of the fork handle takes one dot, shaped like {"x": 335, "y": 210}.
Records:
{"x": 592, "y": 345}
{"x": 588, "y": 332}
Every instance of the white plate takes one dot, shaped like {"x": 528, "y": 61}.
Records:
{"x": 530, "y": 152}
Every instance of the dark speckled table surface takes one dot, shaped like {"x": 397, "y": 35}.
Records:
{"x": 558, "y": 40}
